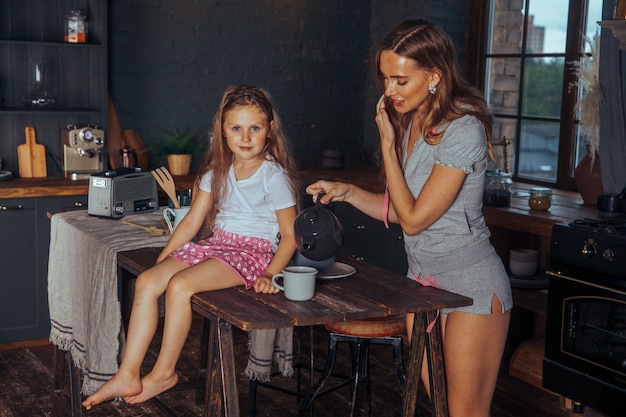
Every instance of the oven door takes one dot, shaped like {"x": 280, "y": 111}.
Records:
{"x": 585, "y": 341}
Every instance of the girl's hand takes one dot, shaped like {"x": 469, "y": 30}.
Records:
{"x": 264, "y": 285}
{"x": 333, "y": 191}
{"x": 385, "y": 128}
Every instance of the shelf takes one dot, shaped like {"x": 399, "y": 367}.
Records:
{"x": 49, "y": 111}
{"x": 55, "y": 44}
{"x": 618, "y": 27}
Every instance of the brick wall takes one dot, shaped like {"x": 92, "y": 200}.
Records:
{"x": 170, "y": 62}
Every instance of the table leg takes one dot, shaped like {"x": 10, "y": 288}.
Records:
{"x": 213, "y": 381}
{"x": 416, "y": 355}
{"x": 227, "y": 361}
{"x": 436, "y": 367}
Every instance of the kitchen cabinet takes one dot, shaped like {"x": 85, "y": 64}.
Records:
{"x": 25, "y": 229}
{"x": 75, "y": 73}
{"x": 367, "y": 239}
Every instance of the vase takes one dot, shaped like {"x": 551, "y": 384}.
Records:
{"x": 588, "y": 178}
{"x": 39, "y": 95}
{"x": 179, "y": 164}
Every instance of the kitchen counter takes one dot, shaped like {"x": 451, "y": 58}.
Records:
{"x": 566, "y": 205}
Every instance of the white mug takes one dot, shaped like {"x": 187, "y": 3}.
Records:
{"x": 298, "y": 282}
{"x": 178, "y": 215}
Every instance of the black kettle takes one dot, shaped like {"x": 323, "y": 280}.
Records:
{"x": 318, "y": 232}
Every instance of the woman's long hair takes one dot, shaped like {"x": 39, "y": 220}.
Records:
{"x": 432, "y": 49}
{"x": 219, "y": 157}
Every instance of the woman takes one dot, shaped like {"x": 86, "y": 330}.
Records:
{"x": 435, "y": 141}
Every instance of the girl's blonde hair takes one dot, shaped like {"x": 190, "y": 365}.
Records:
{"x": 219, "y": 157}
{"x": 432, "y": 50}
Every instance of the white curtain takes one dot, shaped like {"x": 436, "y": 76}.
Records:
{"x": 613, "y": 110}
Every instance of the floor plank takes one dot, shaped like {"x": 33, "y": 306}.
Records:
{"x": 26, "y": 385}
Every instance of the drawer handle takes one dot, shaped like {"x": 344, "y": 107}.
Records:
{"x": 78, "y": 204}
{"x": 358, "y": 226}
{"x": 8, "y": 208}
{"x": 357, "y": 257}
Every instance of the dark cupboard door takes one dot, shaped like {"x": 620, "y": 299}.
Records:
{"x": 23, "y": 303}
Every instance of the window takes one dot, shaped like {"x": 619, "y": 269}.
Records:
{"x": 525, "y": 69}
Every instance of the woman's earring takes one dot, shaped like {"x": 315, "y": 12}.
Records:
{"x": 432, "y": 88}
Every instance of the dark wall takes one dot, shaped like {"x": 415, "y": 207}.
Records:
{"x": 170, "y": 62}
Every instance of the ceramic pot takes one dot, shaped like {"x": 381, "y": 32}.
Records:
{"x": 179, "y": 164}
{"x": 588, "y": 179}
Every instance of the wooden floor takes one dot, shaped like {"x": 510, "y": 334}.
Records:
{"x": 26, "y": 385}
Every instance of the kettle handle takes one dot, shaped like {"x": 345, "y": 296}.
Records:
{"x": 318, "y": 203}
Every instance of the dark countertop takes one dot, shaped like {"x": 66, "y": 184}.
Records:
{"x": 566, "y": 205}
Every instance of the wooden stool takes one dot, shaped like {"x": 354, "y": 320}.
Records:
{"x": 384, "y": 330}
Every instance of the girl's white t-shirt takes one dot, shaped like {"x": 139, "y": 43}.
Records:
{"x": 250, "y": 205}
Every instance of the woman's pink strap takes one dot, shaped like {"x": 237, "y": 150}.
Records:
{"x": 386, "y": 208}
{"x": 429, "y": 281}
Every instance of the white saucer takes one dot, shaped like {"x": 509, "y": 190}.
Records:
{"x": 338, "y": 270}
{"x": 533, "y": 283}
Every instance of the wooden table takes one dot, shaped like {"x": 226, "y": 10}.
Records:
{"x": 371, "y": 292}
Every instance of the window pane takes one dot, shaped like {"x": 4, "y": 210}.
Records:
{"x": 504, "y": 142}
{"x": 547, "y": 26}
{"x": 503, "y": 85}
{"x": 505, "y": 36}
{"x": 539, "y": 148}
{"x": 594, "y": 15}
{"x": 543, "y": 87}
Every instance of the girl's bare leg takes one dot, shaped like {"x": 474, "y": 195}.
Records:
{"x": 141, "y": 328}
{"x": 207, "y": 276}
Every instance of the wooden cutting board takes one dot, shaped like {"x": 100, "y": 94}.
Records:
{"x": 32, "y": 156}
{"x": 114, "y": 139}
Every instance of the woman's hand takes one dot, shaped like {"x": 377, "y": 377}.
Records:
{"x": 264, "y": 285}
{"x": 333, "y": 191}
{"x": 385, "y": 128}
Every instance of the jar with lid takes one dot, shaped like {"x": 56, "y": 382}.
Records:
{"x": 498, "y": 189}
{"x": 540, "y": 198}
{"x": 76, "y": 27}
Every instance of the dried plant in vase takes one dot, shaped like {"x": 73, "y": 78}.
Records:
{"x": 588, "y": 106}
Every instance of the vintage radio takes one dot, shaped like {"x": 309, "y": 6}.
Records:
{"x": 120, "y": 192}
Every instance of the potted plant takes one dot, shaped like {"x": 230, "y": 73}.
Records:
{"x": 179, "y": 147}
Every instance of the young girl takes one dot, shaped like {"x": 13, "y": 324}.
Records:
{"x": 435, "y": 134}
{"x": 245, "y": 208}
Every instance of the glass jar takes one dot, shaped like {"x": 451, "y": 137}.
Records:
{"x": 76, "y": 27}
{"x": 498, "y": 189}
{"x": 540, "y": 199}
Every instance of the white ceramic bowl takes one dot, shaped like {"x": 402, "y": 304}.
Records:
{"x": 528, "y": 255}
{"x": 523, "y": 268}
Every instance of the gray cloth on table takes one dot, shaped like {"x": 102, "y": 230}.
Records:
{"x": 267, "y": 346}
{"x": 85, "y": 314}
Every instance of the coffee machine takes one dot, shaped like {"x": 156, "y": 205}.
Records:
{"x": 82, "y": 151}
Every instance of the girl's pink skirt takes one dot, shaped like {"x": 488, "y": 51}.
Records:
{"x": 248, "y": 256}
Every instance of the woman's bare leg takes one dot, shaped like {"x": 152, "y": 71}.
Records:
{"x": 207, "y": 276}
{"x": 142, "y": 325}
{"x": 473, "y": 346}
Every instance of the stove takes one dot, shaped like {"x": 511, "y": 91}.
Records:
{"x": 598, "y": 246}
{"x": 585, "y": 351}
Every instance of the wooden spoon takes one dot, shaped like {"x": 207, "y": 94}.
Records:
{"x": 165, "y": 180}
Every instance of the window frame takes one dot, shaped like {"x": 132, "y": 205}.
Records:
{"x": 478, "y": 37}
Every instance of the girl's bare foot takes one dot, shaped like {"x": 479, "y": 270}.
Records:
{"x": 153, "y": 385}
{"x": 121, "y": 385}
